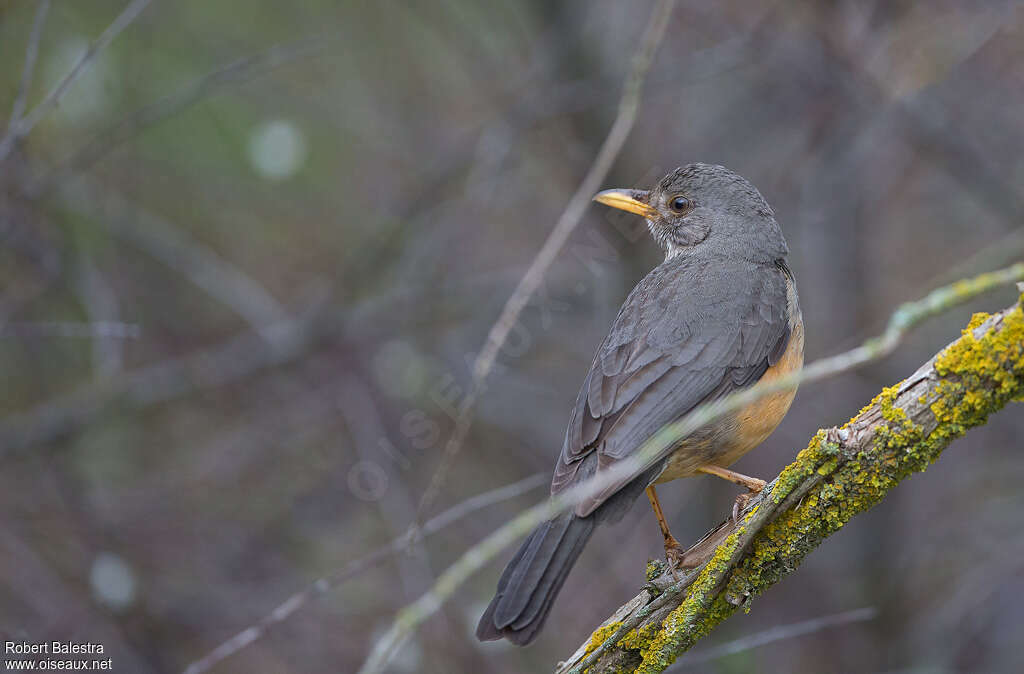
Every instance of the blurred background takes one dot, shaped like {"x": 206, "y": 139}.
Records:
{"x": 248, "y": 257}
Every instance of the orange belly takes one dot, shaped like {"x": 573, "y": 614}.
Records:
{"x": 755, "y": 422}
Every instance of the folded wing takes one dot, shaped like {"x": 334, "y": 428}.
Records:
{"x": 671, "y": 348}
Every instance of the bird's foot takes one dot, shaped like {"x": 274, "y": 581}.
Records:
{"x": 675, "y": 555}
{"x": 741, "y": 502}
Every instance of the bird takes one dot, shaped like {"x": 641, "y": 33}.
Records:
{"x": 718, "y": 315}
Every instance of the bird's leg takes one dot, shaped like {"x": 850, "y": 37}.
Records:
{"x": 674, "y": 552}
{"x": 753, "y": 484}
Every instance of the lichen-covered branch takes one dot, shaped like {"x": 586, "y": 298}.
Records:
{"x": 842, "y": 472}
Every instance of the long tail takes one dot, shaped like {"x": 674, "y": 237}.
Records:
{"x": 532, "y": 579}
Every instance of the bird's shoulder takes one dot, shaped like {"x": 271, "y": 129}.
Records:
{"x": 693, "y": 301}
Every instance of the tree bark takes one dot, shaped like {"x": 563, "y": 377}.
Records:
{"x": 842, "y": 472}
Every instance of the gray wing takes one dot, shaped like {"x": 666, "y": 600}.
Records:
{"x": 674, "y": 344}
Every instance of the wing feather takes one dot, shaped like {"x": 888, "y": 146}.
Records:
{"x": 672, "y": 346}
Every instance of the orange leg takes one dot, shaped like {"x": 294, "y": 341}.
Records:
{"x": 674, "y": 552}
{"x": 753, "y": 484}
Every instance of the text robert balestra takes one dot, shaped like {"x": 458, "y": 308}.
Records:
{"x": 51, "y": 648}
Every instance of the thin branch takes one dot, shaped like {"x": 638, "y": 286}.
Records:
{"x": 102, "y": 308}
{"x": 358, "y": 566}
{"x": 528, "y": 285}
{"x": 31, "y": 52}
{"x": 72, "y": 330}
{"x": 228, "y": 361}
{"x": 25, "y": 124}
{"x": 906, "y": 316}
{"x": 236, "y": 72}
{"x": 242, "y": 355}
{"x": 780, "y": 633}
{"x": 199, "y": 264}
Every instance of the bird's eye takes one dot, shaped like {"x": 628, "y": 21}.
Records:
{"x": 679, "y": 204}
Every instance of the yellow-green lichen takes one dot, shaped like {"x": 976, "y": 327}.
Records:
{"x": 600, "y": 635}
{"x": 977, "y": 319}
{"x": 817, "y": 454}
{"x": 639, "y": 639}
{"x": 979, "y": 373}
{"x": 979, "y": 376}
{"x": 655, "y": 567}
{"x": 659, "y": 647}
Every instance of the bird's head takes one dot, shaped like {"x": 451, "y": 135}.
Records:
{"x": 705, "y": 205}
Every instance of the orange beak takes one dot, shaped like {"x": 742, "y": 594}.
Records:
{"x": 634, "y": 201}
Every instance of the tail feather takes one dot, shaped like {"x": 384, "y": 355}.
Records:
{"x": 557, "y": 569}
{"x": 528, "y": 572}
{"x": 486, "y": 629}
{"x": 531, "y": 581}
{"x": 529, "y": 630}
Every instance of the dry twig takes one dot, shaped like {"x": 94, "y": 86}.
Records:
{"x": 213, "y": 82}
{"x": 31, "y": 52}
{"x": 358, "y": 566}
{"x": 199, "y": 264}
{"x": 24, "y": 125}
{"x": 780, "y": 633}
